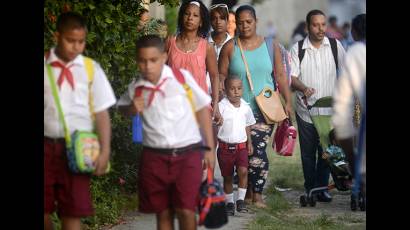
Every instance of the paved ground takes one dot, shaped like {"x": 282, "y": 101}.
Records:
{"x": 135, "y": 220}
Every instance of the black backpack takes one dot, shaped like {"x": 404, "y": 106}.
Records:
{"x": 333, "y": 46}
{"x": 212, "y": 212}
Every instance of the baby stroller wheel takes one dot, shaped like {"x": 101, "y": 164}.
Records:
{"x": 362, "y": 202}
{"x": 312, "y": 201}
{"x": 353, "y": 203}
{"x": 303, "y": 201}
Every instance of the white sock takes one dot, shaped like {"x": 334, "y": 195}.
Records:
{"x": 229, "y": 198}
{"x": 241, "y": 193}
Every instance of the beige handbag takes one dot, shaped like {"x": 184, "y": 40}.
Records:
{"x": 268, "y": 100}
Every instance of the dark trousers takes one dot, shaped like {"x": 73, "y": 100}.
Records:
{"x": 315, "y": 172}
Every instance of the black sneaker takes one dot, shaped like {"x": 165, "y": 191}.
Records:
{"x": 230, "y": 209}
{"x": 324, "y": 197}
{"x": 241, "y": 206}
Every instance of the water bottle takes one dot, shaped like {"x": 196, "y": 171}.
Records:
{"x": 137, "y": 129}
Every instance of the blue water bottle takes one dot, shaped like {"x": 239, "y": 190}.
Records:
{"x": 137, "y": 129}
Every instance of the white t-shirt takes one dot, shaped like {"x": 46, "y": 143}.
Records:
{"x": 74, "y": 103}
{"x": 169, "y": 121}
{"x": 235, "y": 121}
{"x": 218, "y": 48}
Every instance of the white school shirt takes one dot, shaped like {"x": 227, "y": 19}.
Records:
{"x": 169, "y": 121}
{"x": 216, "y": 47}
{"x": 317, "y": 70}
{"x": 352, "y": 82}
{"x": 236, "y": 119}
{"x": 74, "y": 103}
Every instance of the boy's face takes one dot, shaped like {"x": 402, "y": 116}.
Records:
{"x": 234, "y": 90}
{"x": 70, "y": 43}
{"x": 218, "y": 22}
{"x": 150, "y": 61}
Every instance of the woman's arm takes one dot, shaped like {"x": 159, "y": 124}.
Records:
{"x": 211, "y": 66}
{"x": 224, "y": 60}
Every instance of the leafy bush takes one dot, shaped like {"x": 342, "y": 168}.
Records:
{"x": 111, "y": 42}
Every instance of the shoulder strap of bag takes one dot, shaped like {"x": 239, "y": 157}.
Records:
{"x": 301, "y": 52}
{"x": 248, "y": 74}
{"x": 181, "y": 79}
{"x": 333, "y": 46}
{"x": 58, "y": 103}
{"x": 89, "y": 66}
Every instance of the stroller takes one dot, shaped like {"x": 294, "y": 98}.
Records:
{"x": 339, "y": 167}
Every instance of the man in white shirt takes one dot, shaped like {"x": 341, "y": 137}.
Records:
{"x": 171, "y": 163}
{"x": 314, "y": 77}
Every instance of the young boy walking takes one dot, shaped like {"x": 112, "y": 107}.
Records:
{"x": 66, "y": 192}
{"x": 234, "y": 141}
{"x": 171, "y": 162}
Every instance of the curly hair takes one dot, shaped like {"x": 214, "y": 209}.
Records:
{"x": 203, "y": 30}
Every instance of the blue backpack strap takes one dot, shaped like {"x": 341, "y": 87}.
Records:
{"x": 269, "y": 41}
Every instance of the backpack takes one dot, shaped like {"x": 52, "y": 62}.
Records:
{"x": 285, "y": 60}
{"x": 333, "y": 46}
{"x": 211, "y": 207}
{"x": 136, "y": 120}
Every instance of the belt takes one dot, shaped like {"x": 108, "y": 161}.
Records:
{"x": 178, "y": 151}
{"x": 54, "y": 140}
{"x": 238, "y": 146}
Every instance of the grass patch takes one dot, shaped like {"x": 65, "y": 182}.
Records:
{"x": 349, "y": 218}
{"x": 279, "y": 221}
{"x": 286, "y": 172}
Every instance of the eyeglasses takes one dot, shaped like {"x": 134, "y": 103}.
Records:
{"x": 219, "y": 5}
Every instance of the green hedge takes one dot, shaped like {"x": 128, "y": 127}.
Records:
{"x": 111, "y": 42}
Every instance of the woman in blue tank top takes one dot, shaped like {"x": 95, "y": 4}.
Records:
{"x": 260, "y": 67}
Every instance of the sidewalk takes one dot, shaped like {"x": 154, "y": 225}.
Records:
{"x": 136, "y": 220}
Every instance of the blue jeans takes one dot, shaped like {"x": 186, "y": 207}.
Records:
{"x": 315, "y": 172}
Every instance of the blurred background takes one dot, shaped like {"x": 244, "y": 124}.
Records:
{"x": 280, "y": 17}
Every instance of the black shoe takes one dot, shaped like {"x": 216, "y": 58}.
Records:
{"x": 241, "y": 206}
{"x": 324, "y": 197}
{"x": 230, "y": 209}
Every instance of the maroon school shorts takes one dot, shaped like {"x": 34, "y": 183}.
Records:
{"x": 64, "y": 191}
{"x": 228, "y": 158}
{"x": 168, "y": 181}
